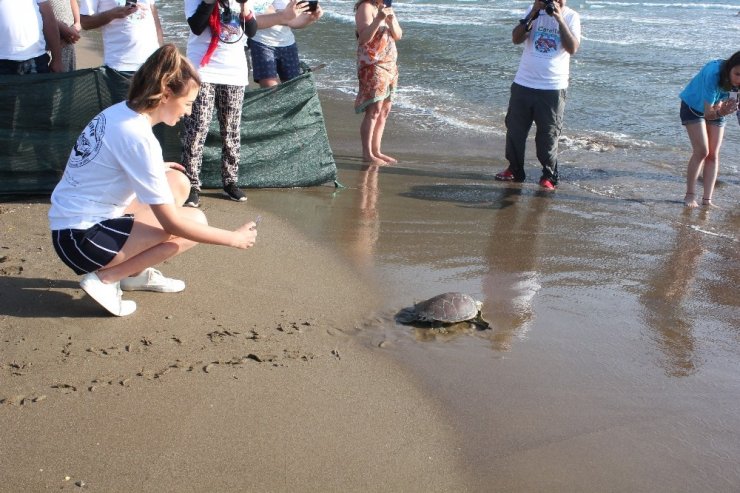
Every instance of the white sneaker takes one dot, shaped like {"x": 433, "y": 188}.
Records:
{"x": 152, "y": 280}
{"x": 108, "y": 295}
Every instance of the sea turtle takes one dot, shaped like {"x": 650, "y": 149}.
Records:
{"x": 444, "y": 309}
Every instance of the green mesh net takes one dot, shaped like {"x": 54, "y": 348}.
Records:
{"x": 284, "y": 141}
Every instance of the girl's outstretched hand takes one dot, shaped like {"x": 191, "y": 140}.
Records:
{"x": 245, "y": 236}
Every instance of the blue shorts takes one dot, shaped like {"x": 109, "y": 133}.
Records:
{"x": 87, "y": 250}
{"x": 688, "y": 115}
{"x": 270, "y": 62}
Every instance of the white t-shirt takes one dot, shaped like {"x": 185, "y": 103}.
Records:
{"x": 21, "y": 30}
{"x": 277, "y": 35}
{"x": 228, "y": 63}
{"x": 545, "y": 64}
{"x": 115, "y": 159}
{"x": 127, "y": 42}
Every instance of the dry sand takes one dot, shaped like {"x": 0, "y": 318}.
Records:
{"x": 244, "y": 382}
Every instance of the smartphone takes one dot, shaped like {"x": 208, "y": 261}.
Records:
{"x": 388, "y": 3}
{"x": 312, "y": 5}
{"x": 130, "y": 3}
{"x": 257, "y": 221}
{"x": 734, "y": 95}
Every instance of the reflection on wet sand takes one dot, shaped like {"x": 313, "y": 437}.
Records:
{"x": 664, "y": 309}
{"x": 512, "y": 279}
{"x": 361, "y": 246}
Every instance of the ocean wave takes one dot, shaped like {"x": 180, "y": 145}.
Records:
{"x": 602, "y": 142}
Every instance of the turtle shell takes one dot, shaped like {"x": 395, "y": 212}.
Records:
{"x": 448, "y": 308}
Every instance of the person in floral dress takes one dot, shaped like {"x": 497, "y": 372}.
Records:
{"x": 377, "y": 31}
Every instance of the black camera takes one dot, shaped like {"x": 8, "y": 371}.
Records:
{"x": 549, "y": 6}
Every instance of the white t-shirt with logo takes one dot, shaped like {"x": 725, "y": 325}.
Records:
{"x": 545, "y": 64}
{"x": 116, "y": 158}
{"x": 127, "y": 42}
{"x": 276, "y": 36}
{"x": 228, "y": 63}
{"x": 21, "y": 30}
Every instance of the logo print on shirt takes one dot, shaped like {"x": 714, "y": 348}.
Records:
{"x": 545, "y": 43}
{"x": 231, "y": 29}
{"x": 88, "y": 143}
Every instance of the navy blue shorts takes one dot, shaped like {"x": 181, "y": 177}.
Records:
{"x": 87, "y": 250}
{"x": 688, "y": 116}
{"x": 269, "y": 62}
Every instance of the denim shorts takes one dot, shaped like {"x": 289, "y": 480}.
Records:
{"x": 272, "y": 62}
{"x": 688, "y": 115}
{"x": 87, "y": 250}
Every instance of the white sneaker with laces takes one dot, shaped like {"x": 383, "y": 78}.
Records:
{"x": 108, "y": 295}
{"x": 151, "y": 279}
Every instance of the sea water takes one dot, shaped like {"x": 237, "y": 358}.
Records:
{"x": 457, "y": 62}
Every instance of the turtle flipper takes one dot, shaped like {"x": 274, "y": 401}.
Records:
{"x": 480, "y": 323}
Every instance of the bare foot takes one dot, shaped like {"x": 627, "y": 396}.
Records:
{"x": 387, "y": 159}
{"x": 689, "y": 201}
{"x": 707, "y": 202}
{"x": 373, "y": 160}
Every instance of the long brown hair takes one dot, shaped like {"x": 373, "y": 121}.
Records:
{"x": 724, "y": 71}
{"x": 166, "y": 68}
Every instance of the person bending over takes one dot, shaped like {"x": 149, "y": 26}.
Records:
{"x": 705, "y": 102}
{"x": 117, "y": 210}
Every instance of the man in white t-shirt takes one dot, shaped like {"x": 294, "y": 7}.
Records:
{"x": 131, "y": 30}
{"x": 27, "y": 29}
{"x": 273, "y": 49}
{"x": 551, "y": 33}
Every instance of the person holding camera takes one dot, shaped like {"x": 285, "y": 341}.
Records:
{"x": 705, "y": 102}
{"x": 218, "y": 36}
{"x": 273, "y": 49}
{"x": 551, "y": 33}
{"x": 377, "y": 31}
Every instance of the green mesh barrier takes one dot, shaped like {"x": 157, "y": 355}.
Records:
{"x": 284, "y": 140}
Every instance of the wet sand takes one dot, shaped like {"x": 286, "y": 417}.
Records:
{"x": 611, "y": 364}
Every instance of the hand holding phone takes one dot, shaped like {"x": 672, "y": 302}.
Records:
{"x": 311, "y": 4}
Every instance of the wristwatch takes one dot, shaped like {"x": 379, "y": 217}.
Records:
{"x": 526, "y": 23}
